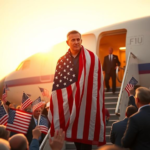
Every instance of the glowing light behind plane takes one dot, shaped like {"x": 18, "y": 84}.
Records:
{"x": 28, "y": 27}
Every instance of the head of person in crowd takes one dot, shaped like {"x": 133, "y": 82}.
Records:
{"x": 4, "y": 145}
{"x": 18, "y": 107}
{"x": 37, "y": 113}
{"x": 7, "y": 103}
{"x": 130, "y": 110}
{"x": 110, "y": 147}
{"x": 74, "y": 41}
{"x": 11, "y": 105}
{"x": 110, "y": 50}
{"x": 142, "y": 96}
{"x": 18, "y": 142}
{"x": 4, "y": 134}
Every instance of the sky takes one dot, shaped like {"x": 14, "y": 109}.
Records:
{"x": 31, "y": 26}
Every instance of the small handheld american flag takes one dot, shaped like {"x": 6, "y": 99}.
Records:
{"x": 18, "y": 121}
{"x": 44, "y": 92}
{"x": 131, "y": 84}
{"x": 43, "y": 124}
{"x": 26, "y": 101}
{"x": 4, "y": 95}
{"x": 37, "y": 103}
{"x": 3, "y": 115}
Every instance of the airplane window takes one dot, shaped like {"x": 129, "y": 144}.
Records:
{"x": 23, "y": 65}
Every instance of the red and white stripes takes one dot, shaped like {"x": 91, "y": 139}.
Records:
{"x": 79, "y": 108}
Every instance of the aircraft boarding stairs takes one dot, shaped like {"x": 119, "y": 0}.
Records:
{"x": 110, "y": 104}
{"x": 115, "y": 103}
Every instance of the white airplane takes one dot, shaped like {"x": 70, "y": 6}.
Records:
{"x": 38, "y": 70}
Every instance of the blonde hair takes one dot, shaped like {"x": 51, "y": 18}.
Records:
{"x": 143, "y": 94}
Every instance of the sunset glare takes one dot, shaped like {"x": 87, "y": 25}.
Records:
{"x": 28, "y": 27}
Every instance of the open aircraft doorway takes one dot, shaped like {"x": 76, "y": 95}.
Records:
{"x": 117, "y": 40}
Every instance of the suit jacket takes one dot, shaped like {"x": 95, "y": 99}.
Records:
{"x": 137, "y": 134}
{"x": 117, "y": 131}
{"x": 110, "y": 66}
{"x": 132, "y": 101}
{"x": 34, "y": 145}
{"x": 29, "y": 132}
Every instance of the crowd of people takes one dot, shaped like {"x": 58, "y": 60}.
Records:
{"x": 132, "y": 132}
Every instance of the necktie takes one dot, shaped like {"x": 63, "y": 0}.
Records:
{"x": 110, "y": 57}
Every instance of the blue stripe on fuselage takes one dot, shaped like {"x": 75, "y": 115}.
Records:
{"x": 30, "y": 80}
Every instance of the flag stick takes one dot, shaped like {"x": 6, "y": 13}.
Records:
{"x": 44, "y": 141}
{"x": 39, "y": 120}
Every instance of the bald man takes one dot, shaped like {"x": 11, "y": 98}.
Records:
{"x": 4, "y": 145}
{"x": 19, "y": 142}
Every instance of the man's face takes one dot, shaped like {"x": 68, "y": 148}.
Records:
{"x": 74, "y": 41}
{"x": 110, "y": 50}
{"x": 37, "y": 113}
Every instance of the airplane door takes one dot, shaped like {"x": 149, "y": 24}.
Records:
{"x": 115, "y": 39}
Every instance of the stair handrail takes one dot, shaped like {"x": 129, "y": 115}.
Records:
{"x": 117, "y": 70}
{"x": 124, "y": 82}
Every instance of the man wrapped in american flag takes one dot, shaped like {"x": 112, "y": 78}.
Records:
{"x": 77, "y": 100}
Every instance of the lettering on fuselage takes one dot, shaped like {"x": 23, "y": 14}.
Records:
{"x": 135, "y": 40}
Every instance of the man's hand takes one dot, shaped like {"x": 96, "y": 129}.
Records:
{"x": 36, "y": 132}
{"x": 131, "y": 90}
{"x": 58, "y": 141}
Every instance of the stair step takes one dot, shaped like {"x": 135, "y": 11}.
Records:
{"x": 113, "y": 97}
{"x": 110, "y": 104}
{"x": 110, "y": 94}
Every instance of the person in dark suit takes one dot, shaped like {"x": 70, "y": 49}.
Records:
{"x": 118, "y": 128}
{"x": 131, "y": 96}
{"x": 109, "y": 67}
{"x": 33, "y": 124}
{"x": 137, "y": 134}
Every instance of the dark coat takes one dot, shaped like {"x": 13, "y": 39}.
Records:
{"x": 110, "y": 66}
{"x": 137, "y": 134}
{"x": 132, "y": 101}
{"x": 29, "y": 132}
{"x": 117, "y": 131}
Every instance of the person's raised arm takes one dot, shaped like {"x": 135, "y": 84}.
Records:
{"x": 58, "y": 141}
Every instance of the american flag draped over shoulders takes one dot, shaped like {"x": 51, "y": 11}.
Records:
{"x": 131, "y": 84}
{"x": 77, "y": 102}
{"x": 26, "y": 101}
{"x": 3, "y": 115}
{"x": 18, "y": 121}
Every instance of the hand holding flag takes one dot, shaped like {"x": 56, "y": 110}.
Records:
{"x": 43, "y": 124}
{"x": 130, "y": 85}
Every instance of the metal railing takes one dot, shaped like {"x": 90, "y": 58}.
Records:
{"x": 131, "y": 70}
{"x": 117, "y": 73}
